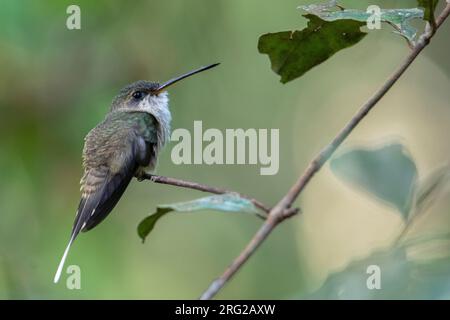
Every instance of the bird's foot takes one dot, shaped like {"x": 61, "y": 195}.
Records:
{"x": 141, "y": 176}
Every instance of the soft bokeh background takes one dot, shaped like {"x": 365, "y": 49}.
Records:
{"x": 56, "y": 84}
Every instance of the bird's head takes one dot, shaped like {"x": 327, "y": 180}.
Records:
{"x": 140, "y": 96}
{"x": 148, "y": 96}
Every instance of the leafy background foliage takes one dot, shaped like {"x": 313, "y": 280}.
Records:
{"x": 387, "y": 172}
{"x": 56, "y": 85}
{"x": 331, "y": 29}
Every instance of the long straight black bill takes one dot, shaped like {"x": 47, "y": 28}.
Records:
{"x": 175, "y": 80}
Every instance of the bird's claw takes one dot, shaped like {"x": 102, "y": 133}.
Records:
{"x": 141, "y": 177}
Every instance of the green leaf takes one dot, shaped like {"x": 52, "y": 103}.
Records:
{"x": 429, "y": 7}
{"x": 228, "y": 202}
{"x": 387, "y": 172}
{"x": 146, "y": 226}
{"x": 400, "y": 18}
{"x": 400, "y": 278}
{"x": 292, "y": 53}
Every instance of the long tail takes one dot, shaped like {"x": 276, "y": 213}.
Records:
{"x": 63, "y": 260}
{"x": 94, "y": 207}
{"x": 75, "y": 231}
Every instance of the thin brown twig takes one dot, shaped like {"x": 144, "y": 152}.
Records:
{"x": 282, "y": 210}
{"x": 201, "y": 187}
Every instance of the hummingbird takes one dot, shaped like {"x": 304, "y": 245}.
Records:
{"x": 124, "y": 145}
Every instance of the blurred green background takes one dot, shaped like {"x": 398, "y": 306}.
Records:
{"x": 56, "y": 84}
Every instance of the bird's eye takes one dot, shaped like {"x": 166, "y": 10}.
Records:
{"x": 138, "y": 95}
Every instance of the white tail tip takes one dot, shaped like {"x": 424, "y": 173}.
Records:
{"x": 61, "y": 263}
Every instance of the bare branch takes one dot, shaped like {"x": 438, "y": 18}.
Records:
{"x": 282, "y": 210}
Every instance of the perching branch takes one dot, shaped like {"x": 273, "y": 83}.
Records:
{"x": 201, "y": 187}
{"x": 282, "y": 210}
